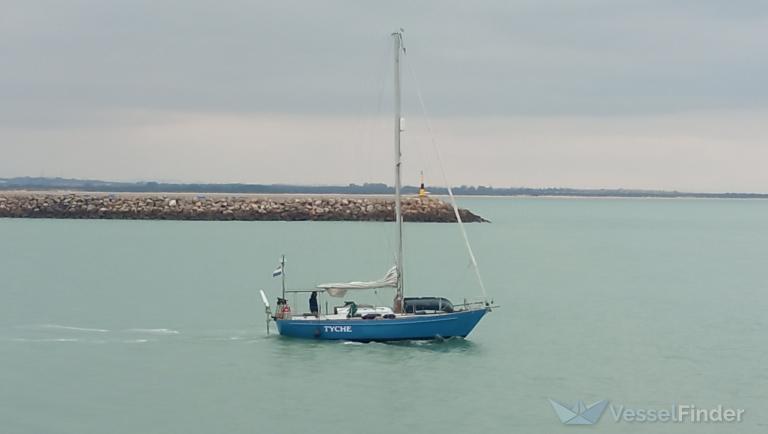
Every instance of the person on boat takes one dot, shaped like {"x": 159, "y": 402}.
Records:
{"x": 313, "y": 303}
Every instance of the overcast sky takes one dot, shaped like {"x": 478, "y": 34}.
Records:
{"x": 637, "y": 94}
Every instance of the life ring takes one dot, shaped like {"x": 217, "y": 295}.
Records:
{"x": 284, "y": 312}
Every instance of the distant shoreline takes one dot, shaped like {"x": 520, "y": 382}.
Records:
{"x": 31, "y": 184}
{"x": 191, "y": 194}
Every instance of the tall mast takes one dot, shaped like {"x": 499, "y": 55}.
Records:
{"x": 398, "y": 40}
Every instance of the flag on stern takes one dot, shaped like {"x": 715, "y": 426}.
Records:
{"x": 278, "y": 271}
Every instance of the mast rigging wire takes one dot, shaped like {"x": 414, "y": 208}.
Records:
{"x": 455, "y": 207}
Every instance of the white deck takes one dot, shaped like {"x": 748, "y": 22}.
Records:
{"x": 342, "y": 313}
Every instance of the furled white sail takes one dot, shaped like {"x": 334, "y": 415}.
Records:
{"x": 340, "y": 289}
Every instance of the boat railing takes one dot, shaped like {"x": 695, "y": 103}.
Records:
{"x": 470, "y": 304}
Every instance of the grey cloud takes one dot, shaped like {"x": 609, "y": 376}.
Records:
{"x": 637, "y": 94}
{"x": 472, "y": 58}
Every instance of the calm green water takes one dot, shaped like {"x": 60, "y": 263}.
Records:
{"x": 157, "y": 327}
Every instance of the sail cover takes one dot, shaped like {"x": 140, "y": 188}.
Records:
{"x": 340, "y": 289}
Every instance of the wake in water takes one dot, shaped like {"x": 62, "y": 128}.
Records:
{"x": 435, "y": 345}
{"x": 80, "y": 340}
{"x": 136, "y": 335}
{"x": 155, "y": 331}
{"x": 63, "y": 327}
{"x": 45, "y": 340}
{"x": 64, "y": 333}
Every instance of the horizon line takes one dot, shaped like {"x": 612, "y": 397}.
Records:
{"x": 82, "y": 184}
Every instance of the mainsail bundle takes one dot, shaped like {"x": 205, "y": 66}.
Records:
{"x": 340, "y": 289}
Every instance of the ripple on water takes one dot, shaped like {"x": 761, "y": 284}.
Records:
{"x": 160, "y": 331}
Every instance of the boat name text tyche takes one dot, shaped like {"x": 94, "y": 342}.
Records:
{"x": 340, "y": 329}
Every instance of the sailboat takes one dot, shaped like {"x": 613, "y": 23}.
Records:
{"x": 410, "y": 318}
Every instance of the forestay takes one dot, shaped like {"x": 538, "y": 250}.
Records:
{"x": 340, "y": 289}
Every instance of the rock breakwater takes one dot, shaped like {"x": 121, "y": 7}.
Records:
{"x": 215, "y": 207}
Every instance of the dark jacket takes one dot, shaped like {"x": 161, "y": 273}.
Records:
{"x": 313, "y": 302}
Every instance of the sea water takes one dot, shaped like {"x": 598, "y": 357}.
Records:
{"x": 157, "y": 326}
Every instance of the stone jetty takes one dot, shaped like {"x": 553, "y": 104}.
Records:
{"x": 142, "y": 206}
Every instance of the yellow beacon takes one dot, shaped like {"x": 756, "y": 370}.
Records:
{"x": 422, "y": 191}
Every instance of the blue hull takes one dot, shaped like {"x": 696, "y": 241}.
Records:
{"x": 412, "y": 327}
